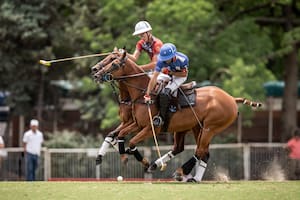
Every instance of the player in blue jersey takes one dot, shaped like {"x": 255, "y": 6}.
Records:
{"x": 174, "y": 64}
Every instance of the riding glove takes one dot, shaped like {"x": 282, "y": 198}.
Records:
{"x": 147, "y": 98}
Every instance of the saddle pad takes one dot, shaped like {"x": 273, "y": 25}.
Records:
{"x": 190, "y": 95}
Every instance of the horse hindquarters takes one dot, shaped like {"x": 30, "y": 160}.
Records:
{"x": 217, "y": 110}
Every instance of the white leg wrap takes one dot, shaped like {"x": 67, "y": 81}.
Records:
{"x": 165, "y": 158}
{"x": 114, "y": 144}
{"x": 200, "y": 169}
{"x": 105, "y": 145}
{"x": 186, "y": 177}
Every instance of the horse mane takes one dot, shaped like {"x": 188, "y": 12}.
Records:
{"x": 135, "y": 65}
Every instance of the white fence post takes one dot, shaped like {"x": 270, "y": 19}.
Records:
{"x": 147, "y": 155}
{"x": 47, "y": 164}
{"x": 246, "y": 152}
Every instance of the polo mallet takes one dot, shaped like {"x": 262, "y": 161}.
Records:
{"x": 48, "y": 62}
{"x": 163, "y": 165}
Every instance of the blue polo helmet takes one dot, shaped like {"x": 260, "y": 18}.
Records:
{"x": 167, "y": 52}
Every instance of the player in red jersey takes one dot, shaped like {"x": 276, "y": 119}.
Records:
{"x": 148, "y": 43}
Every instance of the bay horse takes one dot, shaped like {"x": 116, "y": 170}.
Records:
{"x": 213, "y": 112}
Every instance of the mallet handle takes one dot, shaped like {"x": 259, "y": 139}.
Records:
{"x": 153, "y": 130}
{"x": 78, "y": 57}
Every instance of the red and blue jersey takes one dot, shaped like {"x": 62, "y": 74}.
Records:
{"x": 151, "y": 49}
{"x": 179, "y": 63}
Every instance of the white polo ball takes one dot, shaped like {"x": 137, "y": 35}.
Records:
{"x": 120, "y": 178}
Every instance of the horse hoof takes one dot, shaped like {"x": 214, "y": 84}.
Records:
{"x": 191, "y": 180}
{"x": 178, "y": 176}
{"x": 146, "y": 164}
{"x": 152, "y": 167}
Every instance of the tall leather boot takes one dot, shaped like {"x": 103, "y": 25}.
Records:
{"x": 164, "y": 102}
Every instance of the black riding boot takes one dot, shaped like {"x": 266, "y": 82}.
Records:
{"x": 164, "y": 103}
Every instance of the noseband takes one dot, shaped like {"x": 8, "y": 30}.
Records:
{"x": 107, "y": 76}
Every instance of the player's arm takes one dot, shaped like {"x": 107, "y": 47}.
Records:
{"x": 182, "y": 73}
{"x": 135, "y": 56}
{"x": 151, "y": 65}
{"x": 152, "y": 82}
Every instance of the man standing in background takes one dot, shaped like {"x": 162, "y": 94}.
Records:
{"x": 32, "y": 140}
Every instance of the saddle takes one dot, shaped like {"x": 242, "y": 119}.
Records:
{"x": 186, "y": 97}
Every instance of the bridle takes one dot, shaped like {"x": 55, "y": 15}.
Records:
{"x": 106, "y": 76}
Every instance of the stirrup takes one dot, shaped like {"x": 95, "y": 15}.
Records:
{"x": 157, "y": 121}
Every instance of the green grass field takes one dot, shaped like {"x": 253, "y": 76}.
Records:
{"x": 147, "y": 190}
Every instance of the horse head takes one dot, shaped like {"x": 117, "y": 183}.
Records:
{"x": 108, "y": 59}
{"x": 109, "y": 66}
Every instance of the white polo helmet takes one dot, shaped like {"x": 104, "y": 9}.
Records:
{"x": 142, "y": 27}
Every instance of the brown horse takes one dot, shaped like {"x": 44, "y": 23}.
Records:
{"x": 124, "y": 114}
{"x": 128, "y": 124}
{"x": 213, "y": 112}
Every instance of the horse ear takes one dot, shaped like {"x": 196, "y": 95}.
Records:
{"x": 124, "y": 54}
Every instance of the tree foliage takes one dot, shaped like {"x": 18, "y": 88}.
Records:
{"x": 235, "y": 44}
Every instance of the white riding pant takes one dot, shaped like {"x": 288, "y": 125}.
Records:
{"x": 161, "y": 77}
{"x": 175, "y": 83}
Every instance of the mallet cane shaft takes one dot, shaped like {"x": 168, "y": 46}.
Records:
{"x": 163, "y": 165}
{"x": 48, "y": 62}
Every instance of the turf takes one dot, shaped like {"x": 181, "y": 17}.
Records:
{"x": 147, "y": 190}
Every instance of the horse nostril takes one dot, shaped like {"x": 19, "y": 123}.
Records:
{"x": 96, "y": 76}
{"x": 94, "y": 69}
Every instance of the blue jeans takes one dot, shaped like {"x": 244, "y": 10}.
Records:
{"x": 31, "y": 166}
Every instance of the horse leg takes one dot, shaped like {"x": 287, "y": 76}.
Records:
{"x": 140, "y": 136}
{"x": 110, "y": 139}
{"x": 202, "y": 153}
{"x": 184, "y": 172}
{"x": 121, "y": 140}
{"x": 177, "y": 148}
{"x": 125, "y": 129}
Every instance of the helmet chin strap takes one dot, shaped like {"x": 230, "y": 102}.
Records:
{"x": 150, "y": 39}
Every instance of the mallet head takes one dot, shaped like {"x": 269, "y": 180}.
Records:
{"x": 163, "y": 167}
{"x": 44, "y": 62}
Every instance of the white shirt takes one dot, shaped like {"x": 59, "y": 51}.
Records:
{"x": 33, "y": 141}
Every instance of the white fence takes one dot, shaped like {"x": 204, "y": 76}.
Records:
{"x": 250, "y": 161}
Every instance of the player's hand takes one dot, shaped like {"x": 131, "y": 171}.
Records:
{"x": 165, "y": 70}
{"x": 147, "y": 98}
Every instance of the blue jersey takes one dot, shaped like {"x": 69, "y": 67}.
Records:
{"x": 181, "y": 62}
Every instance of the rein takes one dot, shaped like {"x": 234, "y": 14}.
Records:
{"x": 108, "y": 77}
{"x": 130, "y": 76}
{"x": 123, "y": 79}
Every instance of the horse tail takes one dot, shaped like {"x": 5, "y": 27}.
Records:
{"x": 248, "y": 102}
